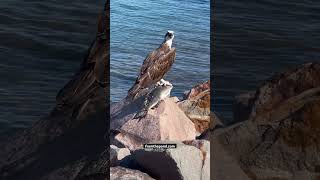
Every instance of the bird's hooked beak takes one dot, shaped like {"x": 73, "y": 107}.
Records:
{"x": 169, "y": 35}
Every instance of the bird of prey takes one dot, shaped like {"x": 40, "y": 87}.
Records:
{"x": 155, "y": 66}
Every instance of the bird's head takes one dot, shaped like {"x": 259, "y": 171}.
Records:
{"x": 168, "y": 38}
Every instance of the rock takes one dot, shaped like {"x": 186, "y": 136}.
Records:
{"x": 281, "y": 87}
{"x": 204, "y": 147}
{"x": 197, "y": 90}
{"x": 225, "y": 167}
{"x": 63, "y": 173}
{"x": 166, "y": 122}
{"x": 196, "y": 105}
{"x": 117, "y": 154}
{"x": 96, "y": 168}
{"x": 186, "y": 162}
{"x": 281, "y": 138}
{"x": 117, "y": 173}
{"x": 215, "y": 121}
{"x": 62, "y": 144}
{"x": 242, "y": 106}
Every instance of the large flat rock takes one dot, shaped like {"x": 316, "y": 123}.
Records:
{"x": 166, "y": 122}
{"x": 189, "y": 161}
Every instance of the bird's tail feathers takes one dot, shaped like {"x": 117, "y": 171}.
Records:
{"x": 134, "y": 91}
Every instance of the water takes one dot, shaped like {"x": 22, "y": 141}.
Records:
{"x": 42, "y": 44}
{"x": 138, "y": 27}
{"x": 256, "y": 39}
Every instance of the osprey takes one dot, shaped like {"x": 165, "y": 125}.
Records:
{"x": 155, "y": 66}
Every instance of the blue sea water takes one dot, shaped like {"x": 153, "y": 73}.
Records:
{"x": 255, "y": 39}
{"x": 138, "y": 27}
{"x": 42, "y": 44}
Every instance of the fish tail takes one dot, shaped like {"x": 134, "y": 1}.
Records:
{"x": 141, "y": 114}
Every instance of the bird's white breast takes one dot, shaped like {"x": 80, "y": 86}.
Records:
{"x": 169, "y": 43}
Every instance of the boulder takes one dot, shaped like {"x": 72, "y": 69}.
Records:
{"x": 166, "y": 122}
{"x": 204, "y": 147}
{"x": 196, "y": 105}
{"x": 275, "y": 90}
{"x": 280, "y": 139}
{"x": 189, "y": 161}
{"x": 117, "y": 173}
{"x": 117, "y": 154}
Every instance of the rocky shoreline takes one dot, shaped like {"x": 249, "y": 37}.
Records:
{"x": 173, "y": 122}
{"x": 275, "y": 133}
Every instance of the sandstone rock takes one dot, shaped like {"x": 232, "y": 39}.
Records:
{"x": 198, "y": 89}
{"x": 117, "y": 154}
{"x": 196, "y": 106}
{"x": 166, "y": 122}
{"x": 185, "y": 162}
{"x": 119, "y": 173}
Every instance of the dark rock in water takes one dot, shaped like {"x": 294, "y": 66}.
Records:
{"x": 62, "y": 145}
{"x": 118, "y": 173}
{"x": 281, "y": 138}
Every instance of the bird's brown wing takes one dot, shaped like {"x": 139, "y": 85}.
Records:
{"x": 161, "y": 66}
{"x": 154, "y": 67}
{"x": 149, "y": 60}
